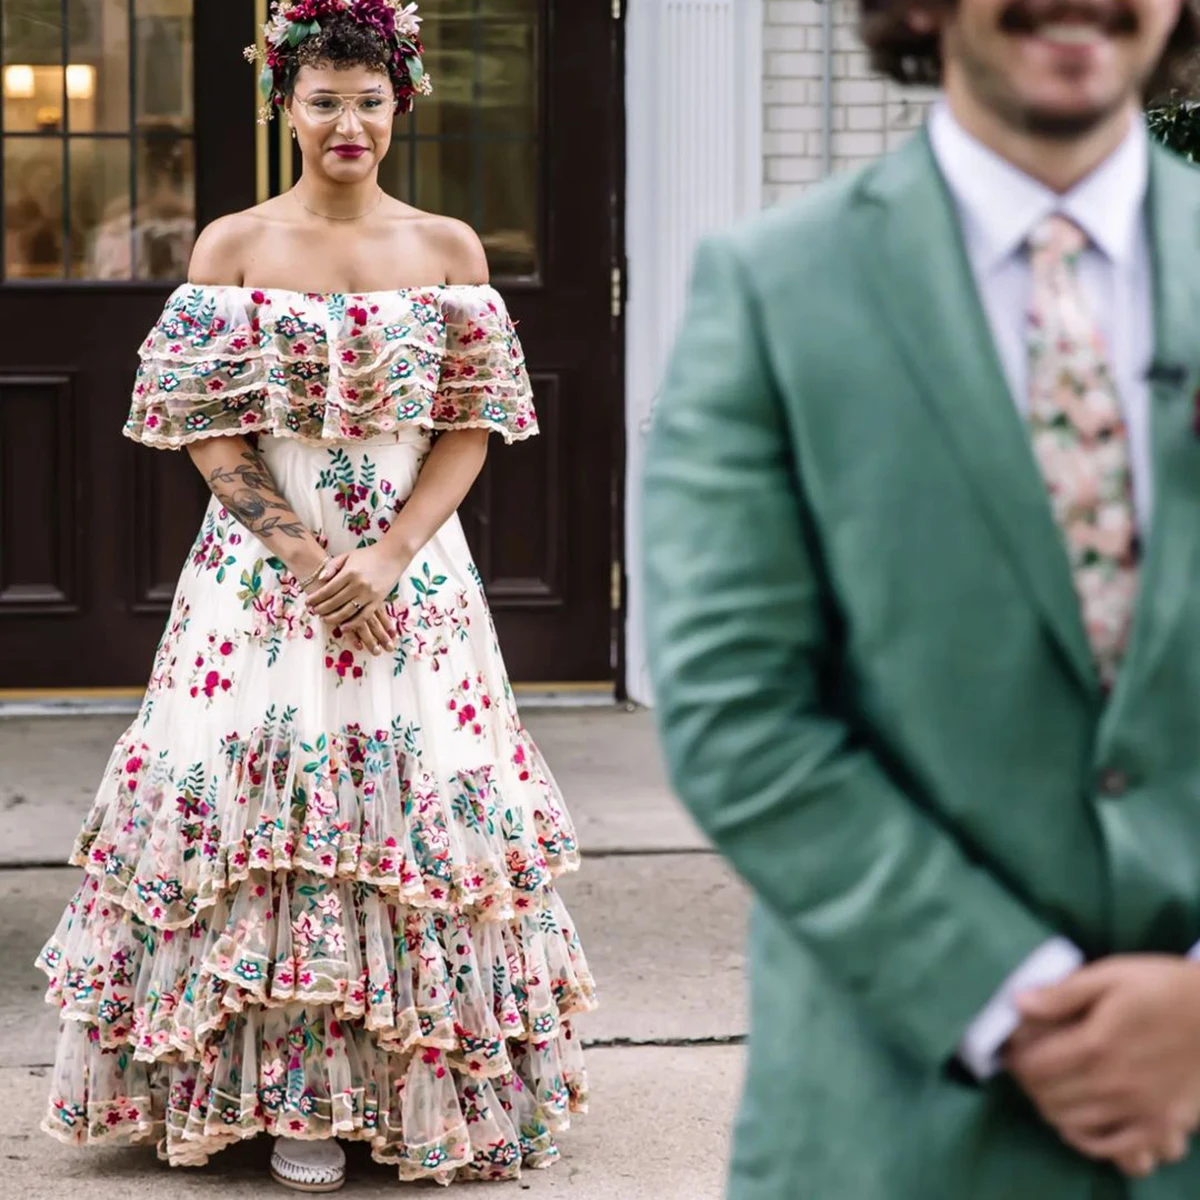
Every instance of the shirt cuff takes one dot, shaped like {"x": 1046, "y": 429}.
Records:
{"x": 1194, "y": 953}
{"x": 1050, "y": 963}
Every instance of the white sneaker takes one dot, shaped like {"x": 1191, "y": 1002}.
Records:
{"x": 308, "y": 1166}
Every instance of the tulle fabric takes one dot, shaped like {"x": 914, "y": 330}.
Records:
{"x": 326, "y": 368}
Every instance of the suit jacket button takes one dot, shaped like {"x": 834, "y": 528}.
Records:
{"x": 1113, "y": 782}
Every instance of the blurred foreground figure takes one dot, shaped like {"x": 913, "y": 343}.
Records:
{"x": 922, "y": 530}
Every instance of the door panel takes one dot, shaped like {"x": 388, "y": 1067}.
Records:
{"x": 122, "y": 133}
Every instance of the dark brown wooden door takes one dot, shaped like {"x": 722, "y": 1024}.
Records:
{"x": 108, "y": 167}
{"x": 148, "y": 133}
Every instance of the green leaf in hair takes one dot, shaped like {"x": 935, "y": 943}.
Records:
{"x": 298, "y": 33}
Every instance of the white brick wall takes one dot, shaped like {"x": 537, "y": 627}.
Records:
{"x": 869, "y": 115}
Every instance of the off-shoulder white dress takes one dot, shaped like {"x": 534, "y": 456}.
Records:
{"x": 319, "y": 898}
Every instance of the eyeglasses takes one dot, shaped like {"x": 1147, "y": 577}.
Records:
{"x": 328, "y": 107}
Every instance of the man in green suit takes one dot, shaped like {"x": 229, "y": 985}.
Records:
{"x": 922, "y": 558}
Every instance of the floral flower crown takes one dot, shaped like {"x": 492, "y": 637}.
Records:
{"x": 293, "y": 22}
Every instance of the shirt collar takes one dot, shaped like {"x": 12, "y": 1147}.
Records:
{"x": 1000, "y": 205}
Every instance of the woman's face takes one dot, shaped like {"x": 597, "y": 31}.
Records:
{"x": 343, "y": 119}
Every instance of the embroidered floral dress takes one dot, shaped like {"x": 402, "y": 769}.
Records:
{"x": 319, "y": 898}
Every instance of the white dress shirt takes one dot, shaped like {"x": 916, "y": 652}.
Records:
{"x": 998, "y": 208}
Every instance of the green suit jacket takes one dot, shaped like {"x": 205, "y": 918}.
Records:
{"x": 875, "y": 691}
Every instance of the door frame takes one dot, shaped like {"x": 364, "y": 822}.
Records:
{"x": 618, "y": 200}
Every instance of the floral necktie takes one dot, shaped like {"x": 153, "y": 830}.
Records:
{"x": 1080, "y": 442}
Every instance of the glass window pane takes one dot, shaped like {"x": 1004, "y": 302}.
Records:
{"x": 165, "y": 221}
{"x": 101, "y": 245}
{"x": 477, "y": 137}
{"x": 450, "y": 59}
{"x": 508, "y": 77}
{"x": 164, "y": 63}
{"x": 31, "y": 82}
{"x": 444, "y": 179}
{"x": 98, "y": 66}
{"x": 33, "y": 227}
{"x": 508, "y": 224}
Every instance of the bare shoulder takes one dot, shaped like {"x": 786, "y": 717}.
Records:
{"x": 458, "y": 248}
{"x": 219, "y": 256}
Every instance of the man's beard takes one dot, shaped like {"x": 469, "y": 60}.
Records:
{"x": 1025, "y": 17}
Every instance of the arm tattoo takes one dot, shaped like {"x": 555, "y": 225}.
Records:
{"x": 249, "y": 492}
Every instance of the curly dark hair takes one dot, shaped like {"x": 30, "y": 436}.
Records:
{"x": 901, "y": 53}
{"x": 342, "y": 42}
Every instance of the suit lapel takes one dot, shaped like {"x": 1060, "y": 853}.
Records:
{"x": 917, "y": 265}
{"x": 1168, "y": 570}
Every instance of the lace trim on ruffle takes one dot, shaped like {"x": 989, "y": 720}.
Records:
{"x": 414, "y": 1112}
{"x": 167, "y": 839}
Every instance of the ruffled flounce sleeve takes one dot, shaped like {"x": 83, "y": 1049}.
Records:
{"x": 484, "y": 383}
{"x": 329, "y": 368}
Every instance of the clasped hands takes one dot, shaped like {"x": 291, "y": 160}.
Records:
{"x": 1111, "y": 1058}
{"x": 351, "y": 594}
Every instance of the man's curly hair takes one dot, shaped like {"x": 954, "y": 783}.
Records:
{"x": 909, "y": 57}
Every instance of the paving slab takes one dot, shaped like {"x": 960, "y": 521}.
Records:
{"x": 657, "y": 1130}
{"x": 50, "y": 768}
{"x": 606, "y": 761}
{"x": 608, "y": 764}
{"x": 663, "y": 934}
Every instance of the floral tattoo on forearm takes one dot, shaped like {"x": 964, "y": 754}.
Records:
{"x": 249, "y": 492}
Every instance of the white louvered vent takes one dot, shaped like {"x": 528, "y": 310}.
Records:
{"x": 694, "y": 109}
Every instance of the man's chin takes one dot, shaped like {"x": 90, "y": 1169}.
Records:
{"x": 1065, "y": 123}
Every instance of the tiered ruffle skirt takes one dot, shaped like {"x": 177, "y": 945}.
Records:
{"x": 319, "y": 897}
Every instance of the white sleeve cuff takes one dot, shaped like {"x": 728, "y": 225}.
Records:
{"x": 1050, "y": 963}
{"x": 1194, "y": 953}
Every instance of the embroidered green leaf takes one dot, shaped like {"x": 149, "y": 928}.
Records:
{"x": 416, "y": 69}
{"x": 266, "y": 81}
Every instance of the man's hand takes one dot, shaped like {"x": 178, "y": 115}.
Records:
{"x": 1111, "y": 1058}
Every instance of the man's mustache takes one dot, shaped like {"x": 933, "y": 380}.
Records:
{"x": 1023, "y": 16}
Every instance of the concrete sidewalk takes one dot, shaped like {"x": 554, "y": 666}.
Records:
{"x": 661, "y": 920}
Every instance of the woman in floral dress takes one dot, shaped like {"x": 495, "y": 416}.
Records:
{"x": 319, "y": 899}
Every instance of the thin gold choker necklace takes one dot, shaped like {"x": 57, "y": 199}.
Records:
{"x": 357, "y": 217}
